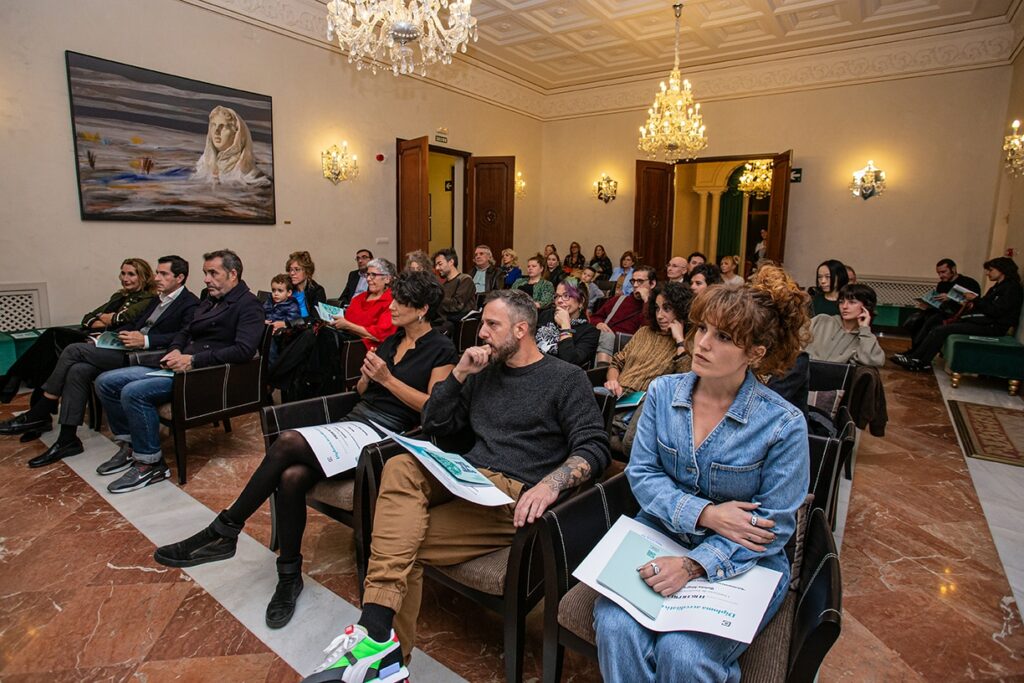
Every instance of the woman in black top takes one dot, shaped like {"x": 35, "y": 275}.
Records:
{"x": 555, "y": 271}
{"x": 395, "y": 383}
{"x": 831, "y": 277}
{"x": 601, "y": 263}
{"x": 575, "y": 258}
{"x": 563, "y": 331}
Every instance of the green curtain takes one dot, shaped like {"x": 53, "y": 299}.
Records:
{"x": 730, "y": 218}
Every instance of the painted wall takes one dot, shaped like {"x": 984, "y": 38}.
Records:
{"x": 319, "y": 100}
{"x": 932, "y": 135}
{"x": 1015, "y": 186}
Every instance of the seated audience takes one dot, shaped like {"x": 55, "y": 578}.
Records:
{"x": 563, "y": 331}
{"x": 622, "y": 275}
{"x": 991, "y": 315}
{"x": 847, "y": 337}
{"x": 729, "y": 265}
{"x": 594, "y": 293}
{"x": 357, "y": 283}
{"x": 368, "y": 316}
{"x": 396, "y": 381}
{"x": 281, "y": 308}
{"x": 704, "y": 275}
{"x": 695, "y": 259}
{"x": 623, "y": 313}
{"x": 226, "y": 328}
{"x": 601, "y": 263}
{"x": 575, "y": 260}
{"x": 418, "y": 260}
{"x": 71, "y": 382}
{"x": 535, "y": 283}
{"x": 550, "y": 249}
{"x": 676, "y": 269}
{"x": 123, "y": 307}
{"x": 658, "y": 348}
{"x": 700, "y": 419}
{"x": 510, "y": 267}
{"x": 554, "y": 268}
{"x": 531, "y": 444}
{"x": 486, "y": 275}
{"x": 459, "y": 292}
{"x": 305, "y": 290}
{"x": 851, "y": 275}
{"x": 832, "y": 277}
{"x": 928, "y": 317}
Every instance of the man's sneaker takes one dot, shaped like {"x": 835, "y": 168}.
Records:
{"x": 121, "y": 461}
{"x": 216, "y": 542}
{"x": 139, "y": 475}
{"x": 355, "y": 657}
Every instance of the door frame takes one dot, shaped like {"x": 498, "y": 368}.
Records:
{"x": 465, "y": 178}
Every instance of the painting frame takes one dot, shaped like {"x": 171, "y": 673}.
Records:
{"x": 146, "y": 148}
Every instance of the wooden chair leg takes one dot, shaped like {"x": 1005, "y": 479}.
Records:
{"x": 554, "y": 655}
{"x": 227, "y": 426}
{"x": 515, "y": 633}
{"x": 179, "y": 451}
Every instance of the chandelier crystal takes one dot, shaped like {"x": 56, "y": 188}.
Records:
{"x": 675, "y": 126}
{"x": 1013, "y": 145}
{"x": 376, "y": 32}
{"x": 338, "y": 164}
{"x": 756, "y": 178}
{"x": 868, "y": 182}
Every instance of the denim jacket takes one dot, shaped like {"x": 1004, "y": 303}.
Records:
{"x": 757, "y": 453}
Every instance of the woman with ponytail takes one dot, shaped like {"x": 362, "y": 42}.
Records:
{"x": 720, "y": 464}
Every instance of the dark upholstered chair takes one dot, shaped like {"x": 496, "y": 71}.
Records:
{"x": 790, "y": 648}
{"x": 467, "y": 334}
{"x": 209, "y": 395}
{"x": 351, "y": 353}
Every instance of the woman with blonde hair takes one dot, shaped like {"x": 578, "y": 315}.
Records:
{"x": 729, "y": 266}
{"x": 734, "y": 505}
{"x": 510, "y": 267}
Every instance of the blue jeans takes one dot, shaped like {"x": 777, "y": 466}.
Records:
{"x": 630, "y": 652}
{"x": 131, "y": 400}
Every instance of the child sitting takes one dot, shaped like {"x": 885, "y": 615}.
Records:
{"x": 280, "y": 310}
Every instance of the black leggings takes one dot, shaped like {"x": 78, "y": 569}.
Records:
{"x": 289, "y": 470}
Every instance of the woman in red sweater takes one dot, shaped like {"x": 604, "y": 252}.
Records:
{"x": 368, "y": 316}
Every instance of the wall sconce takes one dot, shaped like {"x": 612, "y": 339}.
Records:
{"x": 605, "y": 188}
{"x": 520, "y": 185}
{"x": 868, "y": 181}
{"x": 1013, "y": 145}
{"x": 339, "y": 164}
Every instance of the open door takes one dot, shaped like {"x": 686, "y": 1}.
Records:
{"x": 413, "y": 197}
{"x": 490, "y": 211}
{"x": 779, "y": 207}
{"x": 652, "y": 215}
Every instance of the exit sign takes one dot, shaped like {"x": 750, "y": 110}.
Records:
{"x": 796, "y": 175}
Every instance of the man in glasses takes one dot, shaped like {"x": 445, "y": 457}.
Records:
{"x": 357, "y": 278}
{"x": 623, "y": 313}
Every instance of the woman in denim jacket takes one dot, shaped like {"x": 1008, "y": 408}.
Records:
{"x": 720, "y": 463}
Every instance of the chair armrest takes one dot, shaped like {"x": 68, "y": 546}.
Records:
{"x": 148, "y": 359}
{"x": 818, "y": 619}
{"x": 307, "y": 413}
{"x": 598, "y": 376}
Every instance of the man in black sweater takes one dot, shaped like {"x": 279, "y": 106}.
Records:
{"x": 531, "y": 443}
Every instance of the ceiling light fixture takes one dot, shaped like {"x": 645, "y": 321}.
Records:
{"x": 675, "y": 126}
{"x": 376, "y": 32}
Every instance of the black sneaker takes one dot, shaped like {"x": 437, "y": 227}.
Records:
{"x": 216, "y": 542}
{"x": 138, "y": 476}
{"x": 282, "y": 605}
{"x": 121, "y": 461}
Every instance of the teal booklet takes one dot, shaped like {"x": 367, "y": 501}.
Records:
{"x": 630, "y": 400}
{"x": 930, "y": 299}
{"x": 160, "y": 373}
{"x": 620, "y": 575}
{"x": 327, "y": 312}
{"x": 455, "y": 465}
{"x": 110, "y": 340}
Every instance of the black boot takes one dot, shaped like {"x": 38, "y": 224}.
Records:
{"x": 216, "y": 542}
{"x": 289, "y": 585}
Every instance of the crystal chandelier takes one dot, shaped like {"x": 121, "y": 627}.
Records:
{"x": 868, "y": 181}
{"x": 338, "y": 164}
{"x": 605, "y": 188}
{"x": 1013, "y": 145}
{"x": 756, "y": 178}
{"x": 384, "y": 31}
{"x": 675, "y": 126}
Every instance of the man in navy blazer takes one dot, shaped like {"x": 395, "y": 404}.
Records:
{"x": 356, "y": 283}
{"x": 71, "y": 381}
{"x": 226, "y": 328}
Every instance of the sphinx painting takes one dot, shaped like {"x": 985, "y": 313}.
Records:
{"x": 154, "y": 147}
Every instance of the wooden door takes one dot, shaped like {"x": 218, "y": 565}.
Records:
{"x": 413, "y": 197}
{"x": 652, "y": 215}
{"x": 778, "y": 209}
{"x": 490, "y": 205}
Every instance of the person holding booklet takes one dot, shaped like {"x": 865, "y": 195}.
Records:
{"x": 395, "y": 383}
{"x": 720, "y": 465}
{"x": 938, "y": 305}
{"x": 530, "y": 444}
{"x": 368, "y": 316}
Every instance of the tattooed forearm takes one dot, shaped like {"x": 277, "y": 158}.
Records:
{"x": 570, "y": 474}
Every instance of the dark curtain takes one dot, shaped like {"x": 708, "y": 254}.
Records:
{"x": 730, "y": 218}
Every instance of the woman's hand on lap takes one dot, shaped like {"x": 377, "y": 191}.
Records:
{"x": 732, "y": 520}
{"x": 673, "y": 573}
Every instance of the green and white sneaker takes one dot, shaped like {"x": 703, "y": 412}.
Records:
{"x": 354, "y": 657}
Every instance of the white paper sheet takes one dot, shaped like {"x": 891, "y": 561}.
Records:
{"x": 732, "y": 608}
{"x": 488, "y": 495}
{"x": 337, "y": 445}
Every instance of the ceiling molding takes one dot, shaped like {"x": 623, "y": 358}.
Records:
{"x": 984, "y": 44}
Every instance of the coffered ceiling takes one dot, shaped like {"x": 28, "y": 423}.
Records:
{"x": 556, "y": 44}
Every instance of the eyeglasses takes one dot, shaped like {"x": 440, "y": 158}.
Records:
{"x": 296, "y": 270}
{"x": 636, "y": 281}
{"x": 370, "y": 276}
{"x": 564, "y": 296}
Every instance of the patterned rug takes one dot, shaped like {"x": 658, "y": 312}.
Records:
{"x": 990, "y": 433}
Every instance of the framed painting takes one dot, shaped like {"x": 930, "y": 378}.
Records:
{"x": 150, "y": 146}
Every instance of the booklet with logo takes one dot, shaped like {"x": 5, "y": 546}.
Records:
{"x": 930, "y": 299}
{"x": 110, "y": 340}
{"x": 337, "y": 445}
{"x": 630, "y": 400}
{"x": 732, "y": 608}
{"x": 327, "y": 313}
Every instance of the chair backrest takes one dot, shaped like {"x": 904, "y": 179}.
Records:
{"x": 606, "y": 285}
{"x": 826, "y": 468}
{"x": 621, "y": 339}
{"x": 825, "y": 375}
{"x": 819, "y": 610}
{"x": 352, "y": 353}
{"x": 468, "y": 334}
{"x": 606, "y": 404}
{"x": 307, "y": 413}
{"x": 597, "y": 376}
{"x": 263, "y": 296}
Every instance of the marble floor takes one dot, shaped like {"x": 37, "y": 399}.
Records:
{"x": 926, "y": 596}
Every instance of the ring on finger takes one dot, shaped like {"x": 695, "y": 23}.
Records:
{"x": 753, "y": 520}
{"x": 655, "y": 568}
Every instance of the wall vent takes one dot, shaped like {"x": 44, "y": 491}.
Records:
{"x": 23, "y": 306}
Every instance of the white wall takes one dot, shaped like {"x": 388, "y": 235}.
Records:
{"x": 319, "y": 100}
{"x": 1015, "y": 220}
{"x": 932, "y": 135}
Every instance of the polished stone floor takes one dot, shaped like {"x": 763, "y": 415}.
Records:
{"x": 926, "y": 597}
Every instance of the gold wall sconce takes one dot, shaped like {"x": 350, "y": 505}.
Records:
{"x": 868, "y": 182}
{"x": 1013, "y": 145}
{"x": 338, "y": 164}
{"x": 520, "y": 185}
{"x": 605, "y": 188}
